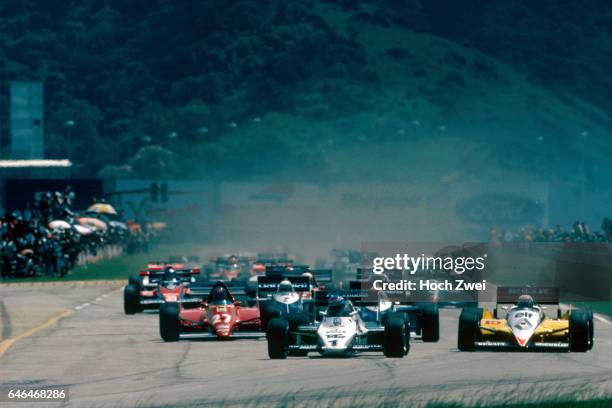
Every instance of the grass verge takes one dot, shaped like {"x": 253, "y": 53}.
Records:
{"x": 597, "y": 307}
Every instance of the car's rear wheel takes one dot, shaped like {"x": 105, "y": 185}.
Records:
{"x": 580, "y": 331}
{"x": 131, "y": 300}
{"x": 278, "y": 338}
{"x": 134, "y": 280}
{"x": 396, "y": 343}
{"x": 169, "y": 322}
{"x": 430, "y": 323}
{"x": 469, "y": 329}
{"x": 251, "y": 288}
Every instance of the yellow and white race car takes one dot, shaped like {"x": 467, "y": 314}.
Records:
{"x": 525, "y": 325}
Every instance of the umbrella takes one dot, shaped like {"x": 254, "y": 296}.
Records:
{"x": 102, "y": 208}
{"x": 93, "y": 223}
{"x": 83, "y": 230}
{"x": 118, "y": 225}
{"x": 59, "y": 224}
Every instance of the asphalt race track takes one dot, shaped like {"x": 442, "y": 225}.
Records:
{"x": 107, "y": 359}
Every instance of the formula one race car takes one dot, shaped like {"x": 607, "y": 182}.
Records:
{"x": 229, "y": 267}
{"x": 210, "y": 311}
{"x": 190, "y": 261}
{"x": 262, "y": 267}
{"x": 423, "y": 316}
{"x": 420, "y": 307}
{"x": 525, "y": 325}
{"x": 341, "y": 331}
{"x": 281, "y": 296}
{"x": 155, "y": 285}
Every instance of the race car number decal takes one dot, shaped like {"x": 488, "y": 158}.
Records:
{"x": 220, "y": 318}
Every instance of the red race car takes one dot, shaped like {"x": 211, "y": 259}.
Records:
{"x": 218, "y": 315}
{"x": 229, "y": 268}
{"x": 155, "y": 285}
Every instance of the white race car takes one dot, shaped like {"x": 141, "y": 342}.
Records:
{"x": 340, "y": 331}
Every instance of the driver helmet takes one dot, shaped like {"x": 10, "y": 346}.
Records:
{"x": 218, "y": 293}
{"x": 337, "y": 304}
{"x": 285, "y": 286}
{"x": 525, "y": 301}
{"x": 169, "y": 273}
{"x": 310, "y": 276}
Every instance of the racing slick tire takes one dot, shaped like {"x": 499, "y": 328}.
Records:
{"x": 396, "y": 343}
{"x": 131, "y": 300}
{"x": 592, "y": 329}
{"x": 469, "y": 330}
{"x": 579, "y": 331}
{"x": 134, "y": 280}
{"x": 296, "y": 320}
{"x": 278, "y": 338}
{"x": 251, "y": 288}
{"x": 268, "y": 311}
{"x": 169, "y": 322}
{"x": 430, "y": 323}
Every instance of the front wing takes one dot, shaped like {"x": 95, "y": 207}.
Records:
{"x": 550, "y": 335}
{"x": 209, "y": 335}
{"x": 311, "y": 330}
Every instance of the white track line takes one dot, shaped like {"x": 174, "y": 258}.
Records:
{"x": 98, "y": 299}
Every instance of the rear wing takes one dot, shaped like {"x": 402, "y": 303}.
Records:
{"x": 269, "y": 284}
{"x": 299, "y": 269}
{"x": 273, "y": 255}
{"x": 203, "y": 289}
{"x": 359, "y": 297}
{"x": 159, "y": 272}
{"x": 541, "y": 295}
{"x": 276, "y": 270}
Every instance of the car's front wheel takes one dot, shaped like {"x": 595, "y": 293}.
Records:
{"x": 580, "y": 331}
{"x": 469, "y": 329}
{"x": 278, "y": 338}
{"x": 268, "y": 311}
{"x": 169, "y": 322}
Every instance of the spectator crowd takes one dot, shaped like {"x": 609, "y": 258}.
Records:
{"x": 51, "y": 238}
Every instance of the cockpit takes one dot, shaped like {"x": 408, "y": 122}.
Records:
{"x": 339, "y": 307}
{"x": 220, "y": 295}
